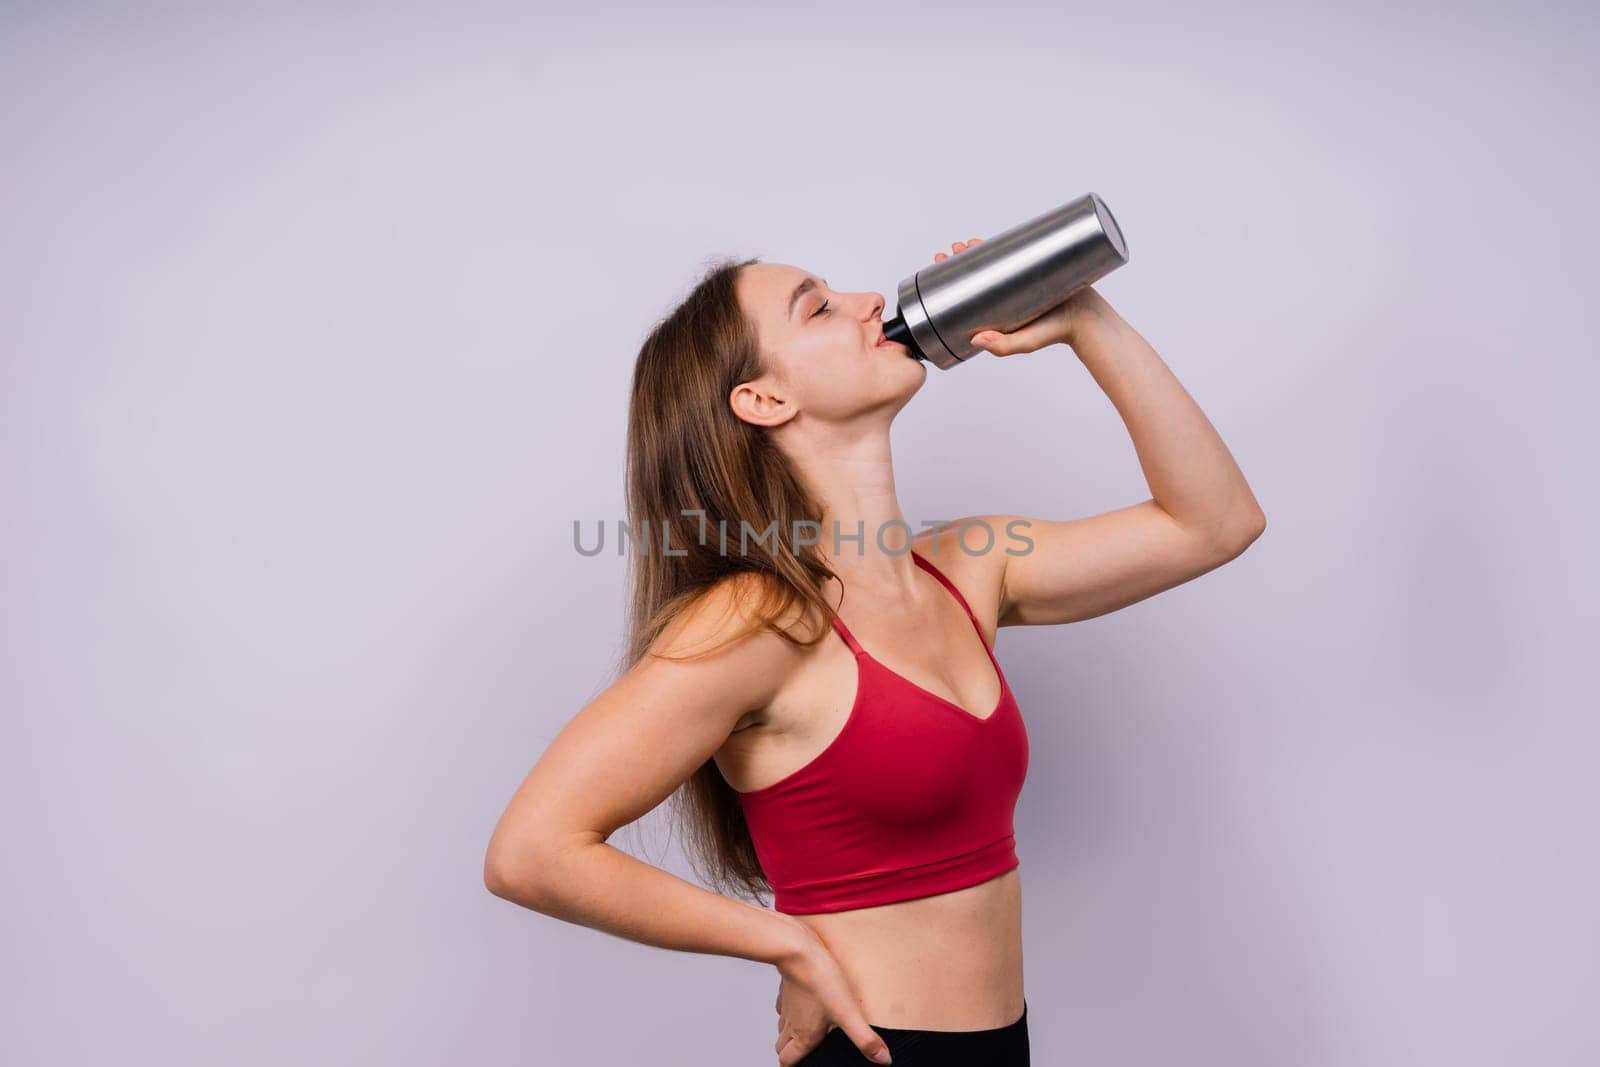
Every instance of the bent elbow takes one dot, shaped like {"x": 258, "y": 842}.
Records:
{"x": 514, "y": 878}
{"x": 496, "y": 880}
{"x": 1239, "y": 534}
{"x": 1255, "y": 527}
{"x": 519, "y": 884}
{"x": 524, "y": 870}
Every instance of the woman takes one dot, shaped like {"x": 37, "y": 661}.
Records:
{"x": 829, "y": 703}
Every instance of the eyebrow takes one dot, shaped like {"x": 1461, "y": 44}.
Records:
{"x": 794, "y": 297}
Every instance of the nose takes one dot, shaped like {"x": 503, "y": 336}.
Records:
{"x": 875, "y": 304}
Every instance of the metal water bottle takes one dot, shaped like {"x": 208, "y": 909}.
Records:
{"x": 1006, "y": 281}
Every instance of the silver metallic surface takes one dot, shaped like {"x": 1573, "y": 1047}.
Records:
{"x": 1007, "y": 281}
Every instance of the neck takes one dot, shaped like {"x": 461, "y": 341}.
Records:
{"x": 865, "y": 536}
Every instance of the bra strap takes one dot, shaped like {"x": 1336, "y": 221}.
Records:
{"x": 948, "y": 584}
{"x": 855, "y": 646}
{"x": 844, "y": 632}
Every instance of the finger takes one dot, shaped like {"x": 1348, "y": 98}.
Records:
{"x": 1005, "y": 344}
{"x": 793, "y": 1048}
{"x": 973, "y": 240}
{"x": 868, "y": 1040}
{"x": 1001, "y": 344}
{"x": 1029, "y": 338}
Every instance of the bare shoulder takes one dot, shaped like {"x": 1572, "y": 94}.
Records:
{"x": 631, "y": 746}
{"x": 972, "y": 553}
{"x": 738, "y": 617}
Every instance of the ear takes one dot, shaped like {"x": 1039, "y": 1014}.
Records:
{"x": 759, "y": 403}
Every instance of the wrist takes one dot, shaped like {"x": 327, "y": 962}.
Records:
{"x": 1092, "y": 318}
{"x": 798, "y": 943}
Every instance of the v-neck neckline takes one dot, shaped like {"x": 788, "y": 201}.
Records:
{"x": 1000, "y": 701}
{"x": 946, "y": 701}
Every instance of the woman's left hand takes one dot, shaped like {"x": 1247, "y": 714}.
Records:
{"x": 1058, "y": 325}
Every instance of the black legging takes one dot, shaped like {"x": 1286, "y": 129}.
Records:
{"x": 1004, "y": 1046}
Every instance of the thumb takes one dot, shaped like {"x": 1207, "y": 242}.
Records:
{"x": 994, "y": 341}
{"x": 1033, "y": 336}
{"x": 868, "y": 1040}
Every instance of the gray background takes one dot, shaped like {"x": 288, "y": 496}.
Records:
{"x": 317, "y": 330}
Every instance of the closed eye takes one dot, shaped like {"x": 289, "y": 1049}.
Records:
{"x": 820, "y": 310}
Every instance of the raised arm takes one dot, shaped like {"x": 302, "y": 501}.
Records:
{"x": 1201, "y": 512}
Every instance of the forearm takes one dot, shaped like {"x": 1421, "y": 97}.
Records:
{"x": 1191, "y": 473}
{"x": 601, "y": 887}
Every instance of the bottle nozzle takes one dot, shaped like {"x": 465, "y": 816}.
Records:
{"x": 895, "y": 329}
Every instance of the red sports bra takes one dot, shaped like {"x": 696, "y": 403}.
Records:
{"x": 914, "y": 796}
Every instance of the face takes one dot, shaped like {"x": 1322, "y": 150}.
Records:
{"x": 820, "y": 348}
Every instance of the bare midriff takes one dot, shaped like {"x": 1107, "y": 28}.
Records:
{"x": 946, "y": 962}
{"x": 952, "y": 961}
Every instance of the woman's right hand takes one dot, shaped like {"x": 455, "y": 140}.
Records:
{"x": 814, "y": 995}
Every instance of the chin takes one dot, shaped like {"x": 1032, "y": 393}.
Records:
{"x": 915, "y": 377}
